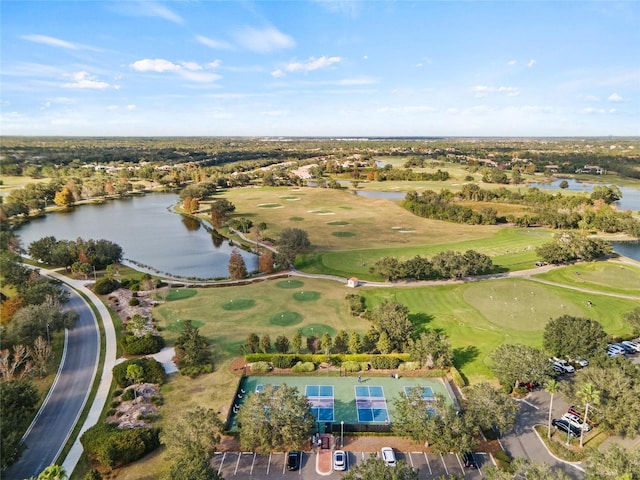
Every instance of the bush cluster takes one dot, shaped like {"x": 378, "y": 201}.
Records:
{"x": 114, "y": 447}
{"x": 384, "y": 362}
{"x": 144, "y": 345}
{"x": 303, "y": 367}
{"x": 152, "y": 371}
{"x": 284, "y": 361}
{"x": 260, "y": 367}
{"x": 104, "y": 286}
{"x": 351, "y": 366}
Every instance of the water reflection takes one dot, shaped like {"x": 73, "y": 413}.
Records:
{"x": 191, "y": 224}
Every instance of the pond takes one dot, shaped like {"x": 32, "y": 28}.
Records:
{"x": 148, "y": 231}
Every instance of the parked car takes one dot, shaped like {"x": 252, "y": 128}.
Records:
{"x": 566, "y": 427}
{"x": 614, "y": 350}
{"x": 293, "y": 460}
{"x": 582, "y": 362}
{"x": 339, "y": 460}
{"x": 576, "y": 421}
{"x": 468, "y": 460}
{"x": 635, "y": 346}
{"x": 388, "y": 456}
{"x": 562, "y": 366}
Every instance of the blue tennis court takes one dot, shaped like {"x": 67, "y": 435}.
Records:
{"x": 371, "y": 404}
{"x": 427, "y": 392}
{"x": 322, "y": 401}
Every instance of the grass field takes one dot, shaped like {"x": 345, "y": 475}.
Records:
{"x": 604, "y": 276}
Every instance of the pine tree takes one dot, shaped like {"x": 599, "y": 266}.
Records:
{"x": 237, "y": 267}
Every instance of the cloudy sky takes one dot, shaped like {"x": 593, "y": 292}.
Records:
{"x": 320, "y": 68}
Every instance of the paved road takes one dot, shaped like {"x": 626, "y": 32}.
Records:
{"x": 57, "y": 417}
{"x": 248, "y": 466}
{"x": 522, "y": 441}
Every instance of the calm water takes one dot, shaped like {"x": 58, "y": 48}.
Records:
{"x": 148, "y": 232}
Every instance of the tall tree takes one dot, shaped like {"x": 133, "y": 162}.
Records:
{"x": 192, "y": 349}
{"x": 265, "y": 262}
{"x": 355, "y": 344}
{"x": 525, "y": 469}
{"x": 574, "y": 336}
{"x": 265, "y": 343}
{"x": 616, "y": 462}
{"x": 515, "y": 363}
{"x": 341, "y": 342}
{"x": 552, "y": 387}
{"x": 490, "y": 409}
{"x": 292, "y": 241}
{"x": 64, "y": 197}
{"x": 134, "y": 375}
{"x": 252, "y": 343}
{"x": 275, "y": 419}
{"x": 326, "y": 344}
{"x": 237, "y": 267}
{"x": 53, "y": 472}
{"x": 633, "y": 319}
{"x": 589, "y": 396}
{"x": 392, "y": 318}
{"x": 282, "y": 344}
{"x": 431, "y": 349}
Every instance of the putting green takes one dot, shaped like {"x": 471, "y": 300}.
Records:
{"x": 239, "y": 304}
{"x": 296, "y": 219}
{"x": 343, "y": 234}
{"x": 339, "y": 223}
{"x": 306, "y": 296}
{"x": 290, "y": 284}
{"x": 177, "y": 325}
{"x": 180, "y": 294}
{"x": 286, "y": 319}
{"x": 317, "y": 329}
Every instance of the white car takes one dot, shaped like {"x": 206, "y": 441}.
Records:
{"x": 583, "y": 362}
{"x": 576, "y": 421}
{"x": 339, "y": 460}
{"x": 615, "y": 350}
{"x": 562, "y": 365}
{"x": 388, "y": 456}
{"x": 632, "y": 344}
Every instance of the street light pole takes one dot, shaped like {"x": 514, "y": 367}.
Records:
{"x": 342, "y": 433}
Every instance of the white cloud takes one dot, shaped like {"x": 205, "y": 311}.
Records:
{"x": 266, "y": 40}
{"x": 312, "y": 64}
{"x": 214, "y": 64}
{"x": 83, "y": 80}
{"x": 484, "y": 90}
{"x": 155, "y": 65}
{"x": 211, "y": 43}
{"x": 277, "y": 73}
{"x": 131, "y": 107}
{"x": 190, "y": 70}
{"x": 590, "y": 111}
{"x": 51, "y": 41}
{"x": 592, "y": 98}
{"x": 614, "y": 97}
{"x": 407, "y": 110}
{"x": 531, "y": 63}
{"x": 512, "y": 62}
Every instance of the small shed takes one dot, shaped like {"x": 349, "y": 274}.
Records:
{"x": 352, "y": 282}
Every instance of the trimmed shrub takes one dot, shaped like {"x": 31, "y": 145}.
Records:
{"x": 134, "y": 302}
{"x": 351, "y": 366}
{"x": 409, "y": 366}
{"x": 260, "y": 367}
{"x": 105, "y": 286}
{"x": 193, "y": 371}
{"x": 457, "y": 377}
{"x": 152, "y": 371}
{"x": 128, "y": 395}
{"x": 114, "y": 447}
{"x": 503, "y": 460}
{"x": 144, "y": 345}
{"x": 384, "y": 362}
{"x": 303, "y": 367}
{"x": 283, "y": 361}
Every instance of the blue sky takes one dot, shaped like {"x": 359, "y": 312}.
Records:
{"x": 320, "y": 68}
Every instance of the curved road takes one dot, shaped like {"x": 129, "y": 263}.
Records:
{"x": 58, "y": 415}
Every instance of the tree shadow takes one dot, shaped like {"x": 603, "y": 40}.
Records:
{"x": 464, "y": 355}
{"x": 420, "y": 321}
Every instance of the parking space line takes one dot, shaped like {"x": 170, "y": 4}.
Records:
{"x": 253, "y": 462}
{"x": 284, "y": 464}
{"x": 460, "y": 463}
{"x": 428, "y": 464}
{"x": 300, "y": 464}
{"x": 221, "y": 462}
{"x": 235, "y": 472}
{"x": 269, "y": 464}
{"x": 445, "y": 465}
{"x": 410, "y": 458}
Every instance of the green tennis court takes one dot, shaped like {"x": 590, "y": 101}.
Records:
{"x": 352, "y": 400}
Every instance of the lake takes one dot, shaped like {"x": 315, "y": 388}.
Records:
{"x": 148, "y": 231}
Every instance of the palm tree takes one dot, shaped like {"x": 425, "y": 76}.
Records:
{"x": 552, "y": 387}
{"x": 53, "y": 472}
{"x": 589, "y": 396}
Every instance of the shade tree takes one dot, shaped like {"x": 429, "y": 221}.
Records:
{"x": 574, "y": 337}
{"x": 489, "y": 409}
{"x": 516, "y": 363}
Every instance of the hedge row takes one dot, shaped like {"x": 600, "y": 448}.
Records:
{"x": 335, "y": 359}
{"x": 114, "y": 447}
{"x": 144, "y": 345}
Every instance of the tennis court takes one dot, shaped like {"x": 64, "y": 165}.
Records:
{"x": 363, "y": 400}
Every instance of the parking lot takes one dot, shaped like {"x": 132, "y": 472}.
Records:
{"x": 251, "y": 465}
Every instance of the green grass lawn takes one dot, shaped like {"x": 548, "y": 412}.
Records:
{"x": 604, "y": 276}
{"x": 509, "y": 248}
